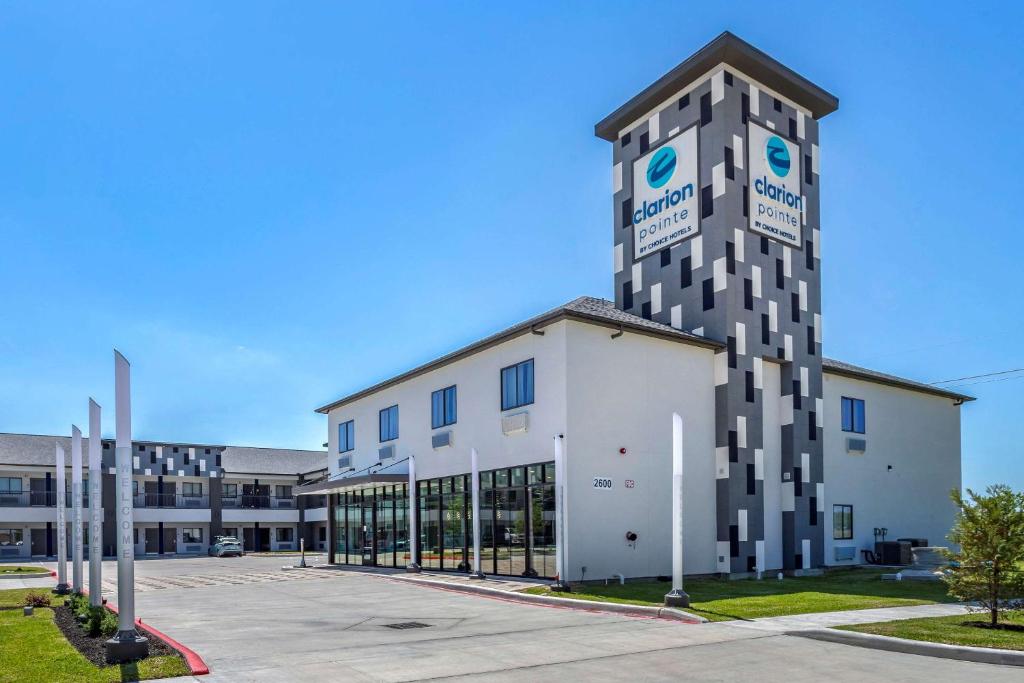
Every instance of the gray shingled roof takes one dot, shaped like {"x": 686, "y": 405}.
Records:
{"x": 38, "y": 449}
{"x": 271, "y": 460}
{"x": 585, "y": 308}
{"x": 33, "y": 449}
{"x": 838, "y": 367}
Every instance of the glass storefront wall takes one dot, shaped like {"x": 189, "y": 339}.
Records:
{"x": 517, "y": 530}
{"x": 371, "y": 526}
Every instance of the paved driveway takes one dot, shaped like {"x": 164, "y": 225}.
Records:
{"x": 252, "y": 622}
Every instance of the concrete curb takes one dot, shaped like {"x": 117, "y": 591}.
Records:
{"x": 568, "y": 603}
{"x": 26, "y": 575}
{"x": 965, "y": 653}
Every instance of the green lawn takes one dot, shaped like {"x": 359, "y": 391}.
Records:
{"x": 950, "y": 630}
{"x": 21, "y": 569}
{"x": 32, "y": 649}
{"x": 15, "y": 597}
{"x": 722, "y": 600}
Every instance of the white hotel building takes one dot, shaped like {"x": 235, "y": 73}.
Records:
{"x": 792, "y": 461}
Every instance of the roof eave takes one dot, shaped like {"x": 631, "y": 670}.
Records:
{"x": 729, "y": 49}
{"x": 909, "y": 386}
{"x": 518, "y": 330}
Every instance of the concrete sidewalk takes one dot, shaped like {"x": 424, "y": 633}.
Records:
{"x": 812, "y": 622}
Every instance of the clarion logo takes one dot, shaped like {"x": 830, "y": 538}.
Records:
{"x": 777, "y": 153}
{"x": 661, "y": 167}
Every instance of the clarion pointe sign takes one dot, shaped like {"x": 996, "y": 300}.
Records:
{"x": 665, "y": 204}
{"x": 776, "y": 208}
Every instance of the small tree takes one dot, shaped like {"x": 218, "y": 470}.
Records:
{"x": 989, "y": 529}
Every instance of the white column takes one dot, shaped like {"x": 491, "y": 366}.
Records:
{"x": 76, "y": 510}
{"x": 560, "y": 564}
{"x": 127, "y": 643}
{"x": 414, "y": 531}
{"x": 475, "y": 490}
{"x": 62, "y": 525}
{"x": 677, "y": 597}
{"x": 95, "y": 506}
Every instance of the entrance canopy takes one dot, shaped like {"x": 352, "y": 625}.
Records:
{"x": 343, "y": 484}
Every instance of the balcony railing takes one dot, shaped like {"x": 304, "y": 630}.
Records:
{"x": 15, "y": 499}
{"x": 255, "y": 502}
{"x": 170, "y": 500}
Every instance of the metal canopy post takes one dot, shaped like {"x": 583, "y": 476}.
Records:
{"x": 413, "y": 565}
{"x": 475, "y": 490}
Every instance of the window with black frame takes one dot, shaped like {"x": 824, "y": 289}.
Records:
{"x": 517, "y": 385}
{"x": 443, "y": 407}
{"x": 346, "y": 436}
{"x": 853, "y": 417}
{"x": 389, "y": 424}
{"x": 842, "y": 522}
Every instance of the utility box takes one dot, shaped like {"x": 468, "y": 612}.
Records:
{"x": 893, "y": 552}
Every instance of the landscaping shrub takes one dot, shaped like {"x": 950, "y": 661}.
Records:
{"x": 37, "y": 600}
{"x": 101, "y": 621}
{"x": 989, "y": 529}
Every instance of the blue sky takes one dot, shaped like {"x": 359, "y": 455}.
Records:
{"x": 266, "y": 207}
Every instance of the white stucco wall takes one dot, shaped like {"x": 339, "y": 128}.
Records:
{"x": 919, "y": 436}
{"x": 479, "y": 412}
{"x": 621, "y": 394}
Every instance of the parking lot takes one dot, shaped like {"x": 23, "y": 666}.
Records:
{"x": 251, "y": 621}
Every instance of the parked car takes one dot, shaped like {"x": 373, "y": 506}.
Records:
{"x": 224, "y": 546}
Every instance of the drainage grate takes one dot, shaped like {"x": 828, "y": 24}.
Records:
{"x": 407, "y": 624}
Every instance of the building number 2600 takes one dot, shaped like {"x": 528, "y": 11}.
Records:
{"x": 602, "y": 483}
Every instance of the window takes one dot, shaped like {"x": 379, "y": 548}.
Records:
{"x": 192, "y": 535}
{"x": 11, "y": 537}
{"x": 442, "y": 408}
{"x": 229, "y": 490}
{"x": 135, "y": 487}
{"x": 10, "y": 484}
{"x": 517, "y": 385}
{"x": 231, "y": 531}
{"x": 389, "y": 424}
{"x": 285, "y": 534}
{"x": 191, "y": 489}
{"x": 842, "y": 522}
{"x": 346, "y": 436}
{"x": 283, "y": 491}
{"x": 853, "y": 415}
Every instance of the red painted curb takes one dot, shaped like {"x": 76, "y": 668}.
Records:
{"x": 194, "y": 661}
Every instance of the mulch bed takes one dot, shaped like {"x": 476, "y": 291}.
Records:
{"x": 94, "y": 649}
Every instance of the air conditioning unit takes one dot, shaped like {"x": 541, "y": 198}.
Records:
{"x": 515, "y": 423}
{"x": 386, "y": 452}
{"x": 441, "y": 439}
{"x": 856, "y": 445}
{"x": 345, "y": 462}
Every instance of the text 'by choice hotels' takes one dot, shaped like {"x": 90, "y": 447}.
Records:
{"x": 664, "y": 194}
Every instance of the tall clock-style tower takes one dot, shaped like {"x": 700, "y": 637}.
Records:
{"x": 716, "y": 231}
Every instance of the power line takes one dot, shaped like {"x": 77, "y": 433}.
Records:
{"x": 986, "y": 381}
{"x": 987, "y": 374}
